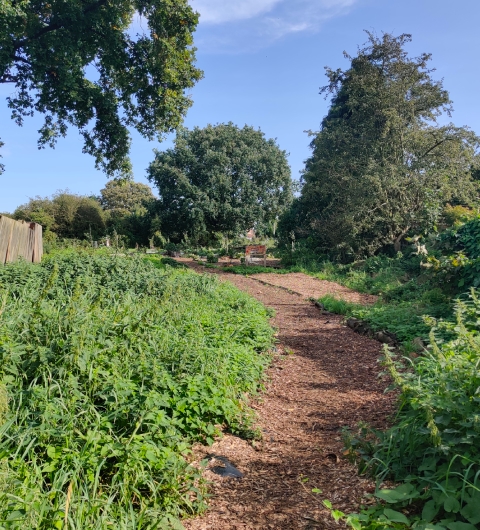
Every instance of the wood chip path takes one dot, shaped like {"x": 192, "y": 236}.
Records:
{"x": 324, "y": 378}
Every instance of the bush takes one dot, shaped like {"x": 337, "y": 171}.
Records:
{"x": 434, "y": 446}
{"x": 459, "y": 262}
{"x": 212, "y": 258}
{"x": 113, "y": 369}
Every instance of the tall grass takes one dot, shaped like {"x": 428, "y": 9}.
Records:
{"x": 113, "y": 369}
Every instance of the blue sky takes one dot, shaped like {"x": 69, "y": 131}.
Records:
{"x": 264, "y": 63}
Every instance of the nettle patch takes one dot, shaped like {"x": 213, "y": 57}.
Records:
{"x": 109, "y": 370}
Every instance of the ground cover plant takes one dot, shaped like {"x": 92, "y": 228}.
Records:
{"x": 433, "y": 449}
{"x": 407, "y": 291}
{"x": 110, "y": 368}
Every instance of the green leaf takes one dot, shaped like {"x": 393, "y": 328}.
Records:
{"x": 327, "y": 504}
{"x": 451, "y": 505}
{"x": 402, "y": 493}
{"x": 471, "y": 512}
{"x": 430, "y": 510}
{"x": 53, "y": 452}
{"x": 337, "y": 515}
{"x": 354, "y": 523}
{"x": 316, "y": 490}
{"x": 396, "y": 517}
{"x": 458, "y": 525}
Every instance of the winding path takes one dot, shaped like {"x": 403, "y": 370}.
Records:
{"x": 324, "y": 378}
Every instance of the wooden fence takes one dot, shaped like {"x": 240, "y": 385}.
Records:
{"x": 20, "y": 239}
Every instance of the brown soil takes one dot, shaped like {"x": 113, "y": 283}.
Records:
{"x": 324, "y": 378}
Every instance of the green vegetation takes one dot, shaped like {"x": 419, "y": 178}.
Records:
{"x": 434, "y": 446}
{"x": 47, "y": 50}
{"x": 122, "y": 212}
{"x": 220, "y": 180}
{"x": 247, "y": 270}
{"x": 382, "y": 167}
{"x": 113, "y": 368}
{"x": 458, "y": 263}
{"x": 406, "y": 293}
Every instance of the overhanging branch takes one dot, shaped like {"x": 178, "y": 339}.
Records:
{"x": 57, "y": 25}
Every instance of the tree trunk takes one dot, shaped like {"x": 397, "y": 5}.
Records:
{"x": 397, "y": 244}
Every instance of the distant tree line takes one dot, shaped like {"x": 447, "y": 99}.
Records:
{"x": 123, "y": 208}
{"x": 215, "y": 183}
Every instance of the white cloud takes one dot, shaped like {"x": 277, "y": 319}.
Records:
{"x": 220, "y": 11}
{"x": 239, "y": 25}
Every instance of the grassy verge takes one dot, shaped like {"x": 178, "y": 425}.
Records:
{"x": 406, "y": 293}
{"x": 112, "y": 368}
{"x": 405, "y": 319}
{"x": 248, "y": 270}
{"x": 432, "y": 450}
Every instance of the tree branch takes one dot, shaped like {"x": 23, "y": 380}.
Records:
{"x": 57, "y": 25}
{"x": 436, "y": 145}
{"x": 6, "y": 78}
{"x": 21, "y": 60}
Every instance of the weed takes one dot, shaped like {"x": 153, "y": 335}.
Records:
{"x": 433, "y": 449}
{"x": 113, "y": 368}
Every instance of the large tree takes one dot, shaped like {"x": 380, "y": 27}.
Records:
{"x": 79, "y": 63}
{"x": 128, "y": 206}
{"x": 220, "y": 179}
{"x": 381, "y": 166}
{"x": 125, "y": 197}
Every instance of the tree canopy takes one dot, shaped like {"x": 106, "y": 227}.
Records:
{"x": 220, "y": 179}
{"x": 381, "y": 165}
{"x": 66, "y": 214}
{"x": 78, "y": 63}
{"x": 128, "y": 206}
{"x": 124, "y": 197}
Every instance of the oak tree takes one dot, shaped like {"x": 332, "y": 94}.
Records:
{"x": 220, "y": 179}
{"x": 83, "y": 63}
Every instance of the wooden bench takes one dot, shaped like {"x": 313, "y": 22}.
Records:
{"x": 256, "y": 251}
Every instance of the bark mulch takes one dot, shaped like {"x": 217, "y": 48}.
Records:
{"x": 309, "y": 287}
{"x": 324, "y": 378}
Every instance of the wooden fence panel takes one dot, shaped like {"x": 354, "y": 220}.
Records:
{"x": 20, "y": 239}
{"x": 6, "y": 227}
{"x": 38, "y": 246}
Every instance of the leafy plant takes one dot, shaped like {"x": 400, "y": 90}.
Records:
{"x": 113, "y": 368}
{"x": 434, "y": 446}
{"x": 459, "y": 262}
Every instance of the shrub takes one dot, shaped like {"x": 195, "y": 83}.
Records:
{"x": 434, "y": 446}
{"x": 113, "y": 369}
{"x": 459, "y": 262}
{"x": 212, "y": 258}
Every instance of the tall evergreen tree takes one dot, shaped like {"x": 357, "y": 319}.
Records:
{"x": 382, "y": 166}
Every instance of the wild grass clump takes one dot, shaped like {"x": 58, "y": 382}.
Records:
{"x": 406, "y": 294}
{"x": 404, "y": 319}
{"x": 433, "y": 449}
{"x": 248, "y": 270}
{"x": 113, "y": 369}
